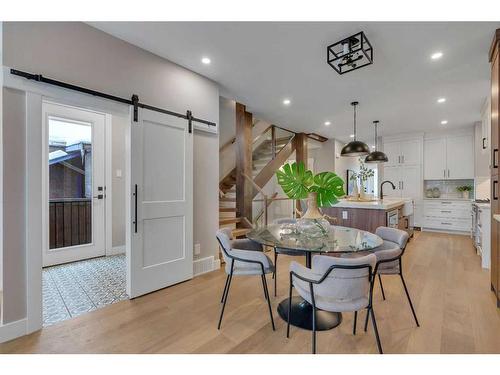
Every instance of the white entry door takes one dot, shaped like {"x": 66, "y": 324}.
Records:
{"x": 74, "y": 182}
{"x": 161, "y": 230}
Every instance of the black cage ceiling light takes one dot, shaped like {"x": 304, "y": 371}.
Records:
{"x": 355, "y": 148}
{"x": 350, "y": 53}
{"x": 376, "y": 156}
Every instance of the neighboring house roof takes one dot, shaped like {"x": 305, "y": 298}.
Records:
{"x": 69, "y": 152}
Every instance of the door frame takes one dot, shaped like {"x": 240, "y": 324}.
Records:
{"x": 35, "y": 93}
{"x": 107, "y": 176}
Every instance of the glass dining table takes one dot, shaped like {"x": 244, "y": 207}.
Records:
{"x": 339, "y": 240}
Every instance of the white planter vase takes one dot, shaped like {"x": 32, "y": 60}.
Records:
{"x": 465, "y": 194}
{"x": 313, "y": 224}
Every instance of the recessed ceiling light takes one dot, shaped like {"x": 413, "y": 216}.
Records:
{"x": 436, "y": 55}
{"x": 205, "y": 60}
{"x": 441, "y": 100}
{"x": 352, "y": 136}
{"x": 444, "y": 122}
{"x": 286, "y": 101}
{"x": 327, "y": 123}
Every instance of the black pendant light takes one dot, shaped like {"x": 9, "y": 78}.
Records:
{"x": 376, "y": 156}
{"x": 355, "y": 148}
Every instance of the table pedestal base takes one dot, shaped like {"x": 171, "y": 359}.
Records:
{"x": 302, "y": 315}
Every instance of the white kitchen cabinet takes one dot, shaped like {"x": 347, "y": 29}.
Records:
{"x": 407, "y": 180}
{"x": 391, "y": 149}
{"x": 460, "y": 157}
{"x": 411, "y": 152}
{"x": 393, "y": 174}
{"x": 447, "y": 215}
{"x": 411, "y": 181}
{"x": 435, "y": 159}
{"x": 449, "y": 157}
{"x": 403, "y": 152}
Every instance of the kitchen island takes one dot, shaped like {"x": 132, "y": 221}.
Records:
{"x": 369, "y": 215}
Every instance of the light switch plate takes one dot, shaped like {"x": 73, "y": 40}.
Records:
{"x": 197, "y": 249}
{"x": 118, "y": 173}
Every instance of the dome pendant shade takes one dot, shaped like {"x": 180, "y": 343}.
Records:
{"x": 376, "y": 156}
{"x": 355, "y": 148}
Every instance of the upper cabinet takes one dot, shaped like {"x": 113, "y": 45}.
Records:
{"x": 407, "y": 152}
{"x": 449, "y": 157}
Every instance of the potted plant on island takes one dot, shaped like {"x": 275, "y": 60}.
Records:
{"x": 320, "y": 190}
{"x": 465, "y": 190}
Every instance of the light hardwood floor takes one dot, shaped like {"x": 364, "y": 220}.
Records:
{"x": 451, "y": 293}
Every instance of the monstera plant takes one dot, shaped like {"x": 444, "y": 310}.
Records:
{"x": 320, "y": 190}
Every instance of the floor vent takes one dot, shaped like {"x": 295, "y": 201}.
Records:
{"x": 204, "y": 265}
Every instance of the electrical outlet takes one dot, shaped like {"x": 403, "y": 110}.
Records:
{"x": 197, "y": 249}
{"x": 344, "y": 215}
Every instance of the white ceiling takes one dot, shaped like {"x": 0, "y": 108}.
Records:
{"x": 260, "y": 64}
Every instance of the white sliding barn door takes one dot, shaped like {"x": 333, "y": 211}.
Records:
{"x": 161, "y": 243}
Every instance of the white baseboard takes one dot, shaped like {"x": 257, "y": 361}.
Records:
{"x": 116, "y": 250}
{"x": 204, "y": 265}
{"x": 13, "y": 330}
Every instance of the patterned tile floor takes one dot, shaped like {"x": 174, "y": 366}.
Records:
{"x": 76, "y": 288}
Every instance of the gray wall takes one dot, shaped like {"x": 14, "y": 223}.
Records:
{"x": 14, "y": 167}
{"x": 78, "y": 53}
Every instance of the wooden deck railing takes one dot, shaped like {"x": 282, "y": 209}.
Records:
{"x": 70, "y": 222}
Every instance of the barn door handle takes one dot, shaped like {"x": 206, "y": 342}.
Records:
{"x": 484, "y": 147}
{"x": 135, "y": 208}
{"x": 495, "y": 196}
{"x": 495, "y": 153}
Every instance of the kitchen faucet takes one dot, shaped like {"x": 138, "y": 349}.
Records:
{"x": 381, "y": 188}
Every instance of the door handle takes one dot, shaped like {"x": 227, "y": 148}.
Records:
{"x": 135, "y": 209}
{"x": 99, "y": 196}
{"x": 495, "y": 183}
{"x": 495, "y": 153}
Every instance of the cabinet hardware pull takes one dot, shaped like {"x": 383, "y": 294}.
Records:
{"x": 495, "y": 183}
{"x": 495, "y": 153}
{"x": 444, "y": 173}
{"x": 446, "y": 202}
{"x": 403, "y": 159}
{"x": 399, "y": 159}
{"x": 446, "y": 211}
{"x": 448, "y": 173}
{"x": 446, "y": 223}
{"x": 484, "y": 147}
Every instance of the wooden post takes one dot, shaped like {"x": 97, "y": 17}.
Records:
{"x": 243, "y": 163}
{"x": 301, "y": 148}
{"x": 300, "y": 140}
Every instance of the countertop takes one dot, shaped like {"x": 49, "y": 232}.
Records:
{"x": 385, "y": 204}
{"x": 449, "y": 199}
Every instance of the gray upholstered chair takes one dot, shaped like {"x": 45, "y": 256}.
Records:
{"x": 243, "y": 258}
{"x": 389, "y": 260}
{"x": 279, "y": 250}
{"x": 335, "y": 285}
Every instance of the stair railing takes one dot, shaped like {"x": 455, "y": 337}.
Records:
{"x": 264, "y": 197}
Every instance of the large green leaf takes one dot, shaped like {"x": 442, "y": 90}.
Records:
{"x": 295, "y": 180}
{"x": 329, "y": 187}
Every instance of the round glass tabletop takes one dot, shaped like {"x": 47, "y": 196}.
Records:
{"x": 339, "y": 239}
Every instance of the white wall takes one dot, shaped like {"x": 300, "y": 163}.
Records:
{"x": 77, "y": 53}
{"x": 119, "y": 127}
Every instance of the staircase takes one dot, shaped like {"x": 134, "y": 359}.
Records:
{"x": 265, "y": 149}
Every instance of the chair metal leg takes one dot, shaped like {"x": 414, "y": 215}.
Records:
{"x": 381, "y": 286}
{"x": 366, "y": 320}
{"x": 409, "y": 300}
{"x": 266, "y": 292}
{"x": 311, "y": 290}
{"x": 225, "y": 298}
{"x": 289, "y": 309}
{"x": 374, "y": 323}
{"x": 225, "y": 287}
{"x": 275, "y": 274}
{"x": 355, "y": 321}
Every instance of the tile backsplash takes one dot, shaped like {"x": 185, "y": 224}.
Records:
{"x": 448, "y": 188}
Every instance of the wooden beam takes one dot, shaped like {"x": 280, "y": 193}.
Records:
{"x": 243, "y": 144}
{"x": 300, "y": 141}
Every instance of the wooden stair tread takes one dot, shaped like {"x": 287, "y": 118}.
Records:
{"x": 233, "y": 220}
{"x": 240, "y": 232}
{"x": 227, "y": 209}
{"x": 227, "y": 199}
